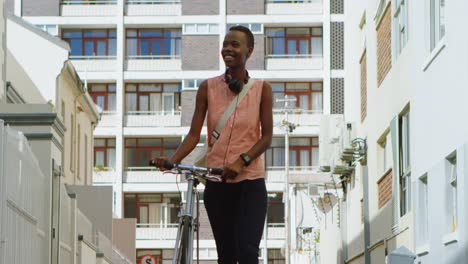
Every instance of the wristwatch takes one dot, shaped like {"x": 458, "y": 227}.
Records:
{"x": 246, "y": 159}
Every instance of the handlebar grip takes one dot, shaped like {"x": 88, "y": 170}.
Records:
{"x": 169, "y": 165}
{"x": 217, "y": 171}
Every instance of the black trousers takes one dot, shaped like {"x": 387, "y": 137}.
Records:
{"x": 237, "y": 214}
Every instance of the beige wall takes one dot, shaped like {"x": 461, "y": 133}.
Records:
{"x": 78, "y": 118}
{"x": 123, "y": 237}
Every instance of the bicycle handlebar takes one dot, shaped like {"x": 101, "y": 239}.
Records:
{"x": 195, "y": 169}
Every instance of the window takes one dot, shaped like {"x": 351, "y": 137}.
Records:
{"x": 275, "y": 213}
{"x": 303, "y": 152}
{"x": 72, "y": 141}
{"x": 51, "y": 29}
{"x": 423, "y": 222}
{"x": 78, "y": 157}
{"x": 153, "y": 210}
{"x": 91, "y": 42}
{"x": 275, "y": 256}
{"x": 405, "y": 169}
{"x": 255, "y": 28}
{"x": 153, "y": 43}
{"x": 294, "y": 42}
{"x": 104, "y": 153}
{"x": 385, "y": 153}
{"x": 159, "y": 97}
{"x": 308, "y": 95}
{"x": 138, "y": 151}
{"x": 88, "y": 2}
{"x": 200, "y": 29}
{"x": 451, "y": 206}
{"x": 103, "y": 95}
{"x": 191, "y": 84}
{"x": 62, "y": 112}
{"x": 437, "y": 21}
{"x": 400, "y": 22}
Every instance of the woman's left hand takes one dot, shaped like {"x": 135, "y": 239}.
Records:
{"x": 232, "y": 170}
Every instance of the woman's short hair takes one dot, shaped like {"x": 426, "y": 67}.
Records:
{"x": 247, "y": 32}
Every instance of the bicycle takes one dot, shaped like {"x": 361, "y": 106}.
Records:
{"x": 188, "y": 221}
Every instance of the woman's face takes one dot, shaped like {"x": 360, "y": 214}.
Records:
{"x": 235, "y": 50}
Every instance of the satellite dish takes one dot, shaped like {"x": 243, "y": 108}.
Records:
{"x": 326, "y": 203}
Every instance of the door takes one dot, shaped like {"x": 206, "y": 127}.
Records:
{"x": 168, "y": 103}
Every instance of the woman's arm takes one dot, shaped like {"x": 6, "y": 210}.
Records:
{"x": 193, "y": 137}
{"x": 266, "y": 120}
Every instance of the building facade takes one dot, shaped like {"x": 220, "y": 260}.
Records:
{"x": 142, "y": 62}
{"x": 407, "y": 193}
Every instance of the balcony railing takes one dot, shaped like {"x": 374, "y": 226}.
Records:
{"x": 153, "y": 8}
{"x": 153, "y": 63}
{"x": 153, "y": 119}
{"x": 283, "y": 7}
{"x": 299, "y": 117}
{"x": 88, "y": 8}
{"x": 108, "y": 119}
{"x": 156, "y": 232}
{"x": 147, "y": 175}
{"x": 94, "y": 63}
{"x": 103, "y": 175}
{"x": 294, "y": 62}
{"x": 276, "y": 231}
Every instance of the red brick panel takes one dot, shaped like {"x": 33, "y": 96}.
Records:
{"x": 385, "y": 188}
{"x": 384, "y": 45}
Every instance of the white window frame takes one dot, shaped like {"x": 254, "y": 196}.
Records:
{"x": 191, "y": 84}
{"x": 423, "y": 214}
{"x": 400, "y": 26}
{"x": 249, "y": 26}
{"x": 452, "y": 193}
{"x": 211, "y": 29}
{"x": 436, "y": 22}
{"x": 405, "y": 180}
{"x": 385, "y": 153}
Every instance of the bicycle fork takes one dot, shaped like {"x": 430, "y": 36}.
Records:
{"x": 183, "y": 251}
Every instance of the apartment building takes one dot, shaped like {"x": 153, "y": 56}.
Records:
{"x": 143, "y": 60}
{"x": 44, "y": 212}
{"x": 405, "y": 197}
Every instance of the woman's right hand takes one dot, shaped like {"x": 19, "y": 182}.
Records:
{"x": 159, "y": 162}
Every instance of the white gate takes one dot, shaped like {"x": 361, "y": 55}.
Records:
{"x": 24, "y": 203}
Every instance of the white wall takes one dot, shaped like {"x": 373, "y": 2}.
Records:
{"x": 41, "y": 58}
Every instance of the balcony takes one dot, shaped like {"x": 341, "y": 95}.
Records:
{"x": 291, "y": 7}
{"x": 276, "y": 231}
{"x": 104, "y": 176}
{"x": 153, "y": 63}
{"x": 147, "y": 175}
{"x": 89, "y": 8}
{"x": 156, "y": 232}
{"x": 108, "y": 119}
{"x": 299, "y": 117}
{"x": 153, "y": 8}
{"x": 294, "y": 62}
{"x": 153, "y": 119}
{"x": 94, "y": 63}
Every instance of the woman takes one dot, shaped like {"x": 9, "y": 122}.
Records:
{"x": 236, "y": 207}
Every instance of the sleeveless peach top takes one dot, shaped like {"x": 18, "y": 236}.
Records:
{"x": 240, "y": 132}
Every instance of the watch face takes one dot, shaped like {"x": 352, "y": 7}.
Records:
{"x": 246, "y": 159}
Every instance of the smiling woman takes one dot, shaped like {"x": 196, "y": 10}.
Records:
{"x": 236, "y": 207}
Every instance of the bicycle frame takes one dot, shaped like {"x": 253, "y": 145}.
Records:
{"x": 183, "y": 250}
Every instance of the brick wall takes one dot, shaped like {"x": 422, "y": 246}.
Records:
{"x": 245, "y": 7}
{"x": 257, "y": 61}
{"x": 384, "y": 45}
{"x": 200, "y": 53}
{"x": 200, "y": 7}
{"x": 363, "y": 87}
{"x": 41, "y": 7}
{"x": 385, "y": 189}
{"x": 188, "y": 99}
